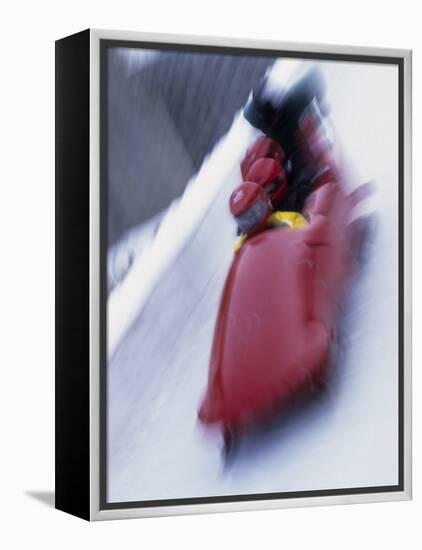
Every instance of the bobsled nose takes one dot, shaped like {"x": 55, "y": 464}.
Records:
{"x": 210, "y": 410}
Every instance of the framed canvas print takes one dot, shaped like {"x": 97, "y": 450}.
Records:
{"x": 233, "y": 299}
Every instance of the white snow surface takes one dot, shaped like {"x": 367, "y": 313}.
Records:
{"x": 163, "y": 320}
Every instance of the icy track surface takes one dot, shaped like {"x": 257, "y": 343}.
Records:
{"x": 158, "y": 360}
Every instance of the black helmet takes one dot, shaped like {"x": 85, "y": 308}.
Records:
{"x": 277, "y": 114}
{"x": 263, "y": 108}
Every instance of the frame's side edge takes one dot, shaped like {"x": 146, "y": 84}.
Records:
{"x": 95, "y": 275}
{"x": 72, "y": 275}
{"x": 407, "y": 236}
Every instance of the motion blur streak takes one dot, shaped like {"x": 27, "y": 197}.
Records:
{"x": 159, "y": 351}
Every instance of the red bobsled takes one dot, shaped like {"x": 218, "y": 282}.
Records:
{"x": 278, "y": 311}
